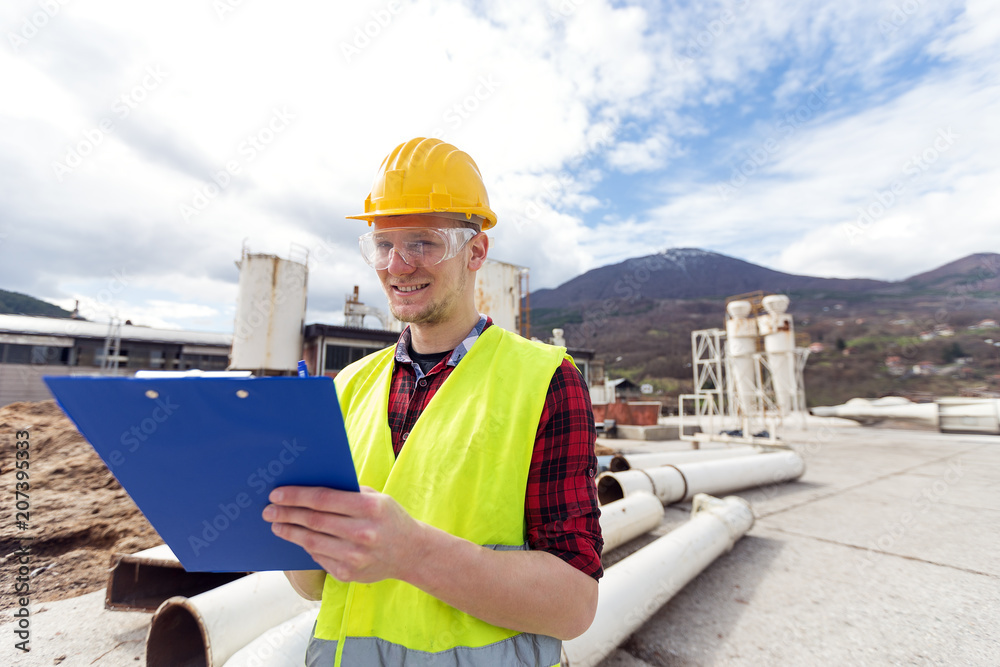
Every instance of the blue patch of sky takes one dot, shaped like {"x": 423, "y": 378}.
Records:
{"x": 746, "y": 121}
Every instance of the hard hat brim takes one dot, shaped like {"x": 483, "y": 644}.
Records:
{"x": 489, "y": 218}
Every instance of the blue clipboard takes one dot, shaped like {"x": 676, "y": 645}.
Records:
{"x": 199, "y": 457}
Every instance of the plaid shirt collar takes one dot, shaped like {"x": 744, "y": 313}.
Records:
{"x": 403, "y": 346}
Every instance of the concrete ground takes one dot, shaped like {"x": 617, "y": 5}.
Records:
{"x": 887, "y": 551}
{"x": 80, "y": 631}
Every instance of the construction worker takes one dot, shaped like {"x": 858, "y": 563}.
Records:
{"x": 475, "y": 538}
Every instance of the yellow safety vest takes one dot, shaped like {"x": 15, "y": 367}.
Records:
{"x": 464, "y": 469}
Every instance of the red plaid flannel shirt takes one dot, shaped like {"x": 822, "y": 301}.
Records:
{"x": 560, "y": 505}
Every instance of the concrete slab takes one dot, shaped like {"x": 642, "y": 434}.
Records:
{"x": 930, "y": 518}
{"x": 80, "y": 631}
{"x": 644, "y": 433}
{"x": 780, "y": 601}
{"x": 803, "y": 588}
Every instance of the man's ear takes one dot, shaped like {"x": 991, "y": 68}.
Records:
{"x": 479, "y": 246}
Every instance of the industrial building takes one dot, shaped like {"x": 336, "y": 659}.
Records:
{"x": 31, "y": 347}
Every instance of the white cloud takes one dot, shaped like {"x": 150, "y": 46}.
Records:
{"x": 558, "y": 107}
{"x": 634, "y": 156}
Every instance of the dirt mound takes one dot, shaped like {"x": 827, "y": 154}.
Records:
{"x": 79, "y": 513}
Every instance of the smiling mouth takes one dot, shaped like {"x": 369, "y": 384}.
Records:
{"x": 407, "y": 289}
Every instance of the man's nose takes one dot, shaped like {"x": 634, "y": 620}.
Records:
{"x": 398, "y": 265}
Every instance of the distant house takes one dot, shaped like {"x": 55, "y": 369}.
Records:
{"x": 816, "y": 348}
{"x": 943, "y": 330}
{"x": 925, "y": 368}
{"x": 939, "y": 330}
{"x": 985, "y": 324}
{"x": 625, "y": 389}
{"x": 895, "y": 366}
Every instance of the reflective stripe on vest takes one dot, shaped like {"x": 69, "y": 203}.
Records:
{"x": 477, "y": 432}
{"x": 520, "y": 650}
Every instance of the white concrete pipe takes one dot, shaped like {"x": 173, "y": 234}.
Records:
{"x": 681, "y": 482}
{"x": 628, "y": 518}
{"x": 872, "y": 411}
{"x": 666, "y": 483}
{"x": 624, "y": 462}
{"x": 282, "y": 646}
{"x": 633, "y": 589}
{"x": 958, "y": 414}
{"x": 746, "y": 472}
{"x": 207, "y": 629}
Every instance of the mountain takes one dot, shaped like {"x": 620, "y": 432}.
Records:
{"x": 638, "y": 315}
{"x": 976, "y": 273}
{"x": 689, "y": 273}
{"x": 15, "y": 303}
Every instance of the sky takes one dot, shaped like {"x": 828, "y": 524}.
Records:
{"x": 144, "y": 146}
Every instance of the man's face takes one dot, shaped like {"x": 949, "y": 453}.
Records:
{"x": 428, "y": 294}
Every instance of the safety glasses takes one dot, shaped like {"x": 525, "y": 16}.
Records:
{"x": 417, "y": 246}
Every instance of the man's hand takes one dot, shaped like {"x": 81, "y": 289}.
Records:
{"x": 367, "y": 537}
{"x": 363, "y": 537}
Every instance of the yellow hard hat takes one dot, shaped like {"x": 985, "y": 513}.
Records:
{"x": 428, "y": 176}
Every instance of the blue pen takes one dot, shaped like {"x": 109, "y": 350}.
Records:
{"x": 303, "y": 369}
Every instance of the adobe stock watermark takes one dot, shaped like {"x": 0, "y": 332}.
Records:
{"x": 898, "y": 17}
{"x": 921, "y": 503}
{"x": 696, "y": 46}
{"x": 959, "y": 294}
{"x": 263, "y": 309}
{"x": 248, "y": 150}
{"x": 137, "y": 434}
{"x": 556, "y": 185}
{"x": 275, "y": 639}
{"x": 562, "y": 10}
{"x": 32, "y": 24}
{"x": 760, "y": 155}
{"x": 456, "y": 114}
{"x": 883, "y": 200}
{"x": 628, "y": 288}
{"x": 225, "y": 7}
{"x": 117, "y": 284}
{"x": 372, "y": 28}
{"x": 260, "y": 481}
{"x": 121, "y": 108}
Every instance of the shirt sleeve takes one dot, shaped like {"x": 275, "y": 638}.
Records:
{"x": 561, "y": 507}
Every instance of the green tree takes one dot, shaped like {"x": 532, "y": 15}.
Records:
{"x": 953, "y": 352}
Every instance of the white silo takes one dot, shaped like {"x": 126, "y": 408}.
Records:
{"x": 270, "y": 314}
{"x": 779, "y": 344}
{"x": 741, "y": 344}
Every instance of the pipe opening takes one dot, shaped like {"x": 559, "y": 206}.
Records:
{"x": 145, "y": 583}
{"x": 175, "y": 639}
{"x": 619, "y": 464}
{"x": 609, "y": 490}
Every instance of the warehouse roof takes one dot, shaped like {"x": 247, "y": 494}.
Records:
{"x": 70, "y": 328}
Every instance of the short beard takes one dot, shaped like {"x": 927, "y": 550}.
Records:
{"x": 436, "y": 312}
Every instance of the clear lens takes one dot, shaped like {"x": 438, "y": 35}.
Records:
{"x": 418, "y": 246}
